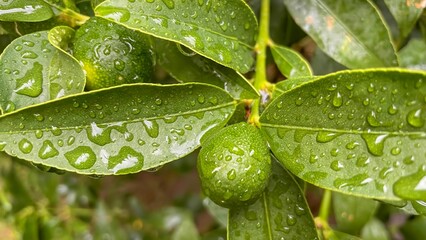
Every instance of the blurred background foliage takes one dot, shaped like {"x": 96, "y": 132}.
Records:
{"x": 39, "y": 203}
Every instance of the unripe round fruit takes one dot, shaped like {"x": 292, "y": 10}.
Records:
{"x": 234, "y": 165}
{"x": 112, "y": 54}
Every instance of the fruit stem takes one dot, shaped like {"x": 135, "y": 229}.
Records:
{"x": 325, "y": 205}
{"x": 260, "y": 80}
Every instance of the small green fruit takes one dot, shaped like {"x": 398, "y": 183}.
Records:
{"x": 234, "y": 165}
{"x": 112, "y": 54}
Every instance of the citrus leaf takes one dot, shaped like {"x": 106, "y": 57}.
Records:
{"x": 281, "y": 213}
{"x": 352, "y": 213}
{"x": 290, "y": 63}
{"x": 61, "y": 37}
{"x": 200, "y": 69}
{"x": 25, "y": 10}
{"x": 220, "y": 214}
{"x": 34, "y": 71}
{"x": 223, "y": 31}
{"x": 102, "y": 132}
{"x": 406, "y": 14}
{"x": 290, "y": 83}
{"x": 414, "y": 229}
{"x": 356, "y": 132}
{"x": 412, "y": 55}
{"x": 333, "y": 27}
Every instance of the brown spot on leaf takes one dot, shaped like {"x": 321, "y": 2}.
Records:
{"x": 330, "y": 22}
{"x": 309, "y": 20}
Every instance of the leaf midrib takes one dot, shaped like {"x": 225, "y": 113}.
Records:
{"x": 344, "y": 131}
{"x": 126, "y": 121}
{"x": 358, "y": 41}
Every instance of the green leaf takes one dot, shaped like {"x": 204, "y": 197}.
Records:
{"x": 340, "y": 28}
{"x": 220, "y": 214}
{"x": 118, "y": 130}
{"x": 352, "y": 213}
{"x": 61, "y": 37}
{"x": 355, "y": 132}
{"x": 223, "y": 31}
{"x": 375, "y": 230}
{"x": 281, "y": 213}
{"x": 290, "y": 62}
{"x": 34, "y": 71}
{"x": 25, "y": 10}
{"x": 195, "y": 68}
{"x": 406, "y": 14}
{"x": 290, "y": 83}
{"x": 412, "y": 55}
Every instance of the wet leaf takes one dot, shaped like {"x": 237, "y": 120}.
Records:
{"x": 61, "y": 37}
{"x": 104, "y": 133}
{"x": 290, "y": 83}
{"x": 355, "y": 132}
{"x": 331, "y": 24}
{"x": 406, "y": 14}
{"x": 200, "y": 69}
{"x": 281, "y": 213}
{"x": 290, "y": 62}
{"x": 412, "y": 55}
{"x": 223, "y": 31}
{"x": 25, "y": 10}
{"x": 352, "y": 213}
{"x": 34, "y": 71}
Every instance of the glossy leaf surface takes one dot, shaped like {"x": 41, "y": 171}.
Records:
{"x": 333, "y": 27}
{"x": 281, "y": 213}
{"x": 200, "y": 69}
{"x": 288, "y": 84}
{"x": 290, "y": 62}
{"x": 352, "y": 213}
{"x": 102, "y": 132}
{"x": 25, "y": 10}
{"x": 34, "y": 71}
{"x": 223, "y": 31}
{"x": 356, "y": 132}
{"x": 61, "y": 37}
{"x": 406, "y": 14}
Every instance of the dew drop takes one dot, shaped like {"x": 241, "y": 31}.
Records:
{"x": 414, "y": 118}
{"x": 409, "y": 160}
{"x": 412, "y": 186}
{"x": 39, "y": 133}
{"x": 336, "y": 165}
{"x": 81, "y": 157}
{"x": 392, "y": 109}
{"x": 47, "y": 150}
{"x": 325, "y": 136}
{"x": 291, "y": 220}
{"x": 375, "y": 143}
{"x": 151, "y": 127}
{"x": 25, "y": 146}
{"x": 119, "y": 64}
{"x": 169, "y": 3}
{"x": 232, "y": 174}
{"x": 70, "y": 140}
{"x": 29, "y": 55}
{"x": 337, "y": 99}
{"x": 236, "y": 150}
